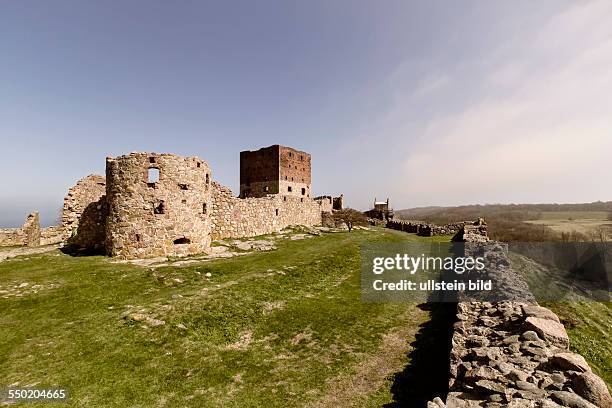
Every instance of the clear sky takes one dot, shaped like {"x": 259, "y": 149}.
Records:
{"x": 429, "y": 103}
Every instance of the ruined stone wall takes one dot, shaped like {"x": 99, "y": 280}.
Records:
{"x": 234, "y": 217}
{"x": 338, "y": 202}
{"x": 326, "y": 203}
{"x": 52, "y": 235}
{"x": 158, "y": 205}
{"x": 28, "y": 234}
{"x": 31, "y": 230}
{"x": 426, "y": 229}
{"x": 86, "y": 191}
{"x": 514, "y": 353}
{"x": 91, "y": 231}
{"x": 11, "y": 237}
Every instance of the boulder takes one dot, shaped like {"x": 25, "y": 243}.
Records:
{"x": 593, "y": 389}
{"x": 540, "y": 312}
{"x": 570, "y": 361}
{"x": 549, "y": 330}
{"x": 571, "y": 400}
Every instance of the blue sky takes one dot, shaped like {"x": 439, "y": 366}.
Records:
{"x": 429, "y": 103}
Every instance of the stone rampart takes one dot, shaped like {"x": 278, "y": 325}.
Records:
{"x": 51, "y": 235}
{"x": 426, "y": 229}
{"x": 514, "y": 353}
{"x": 234, "y": 217}
{"x": 88, "y": 190}
{"x": 28, "y": 234}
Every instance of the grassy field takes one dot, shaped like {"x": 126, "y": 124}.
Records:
{"x": 588, "y": 326}
{"x": 280, "y": 328}
{"x": 588, "y": 223}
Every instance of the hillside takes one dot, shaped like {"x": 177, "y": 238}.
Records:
{"x": 527, "y": 222}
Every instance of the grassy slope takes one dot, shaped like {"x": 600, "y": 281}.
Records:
{"x": 282, "y": 328}
{"x": 588, "y": 326}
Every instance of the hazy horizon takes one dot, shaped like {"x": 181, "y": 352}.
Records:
{"x": 429, "y": 104}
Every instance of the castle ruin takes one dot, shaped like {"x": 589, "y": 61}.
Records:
{"x": 151, "y": 204}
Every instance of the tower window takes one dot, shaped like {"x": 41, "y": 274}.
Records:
{"x": 266, "y": 189}
{"x": 207, "y": 178}
{"x": 204, "y": 208}
{"x": 151, "y": 159}
{"x": 183, "y": 186}
{"x": 277, "y": 212}
{"x": 303, "y": 191}
{"x": 153, "y": 175}
{"x": 289, "y": 189}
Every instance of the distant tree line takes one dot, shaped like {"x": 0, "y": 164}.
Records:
{"x": 504, "y": 221}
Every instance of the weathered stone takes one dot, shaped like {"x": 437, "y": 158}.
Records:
{"x": 571, "y": 400}
{"x": 570, "y": 361}
{"x": 29, "y": 234}
{"x": 549, "y": 330}
{"x": 530, "y": 335}
{"x": 524, "y": 385}
{"x": 490, "y": 386}
{"x": 540, "y": 312}
{"x": 592, "y": 388}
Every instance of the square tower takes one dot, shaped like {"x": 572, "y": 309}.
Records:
{"x": 275, "y": 170}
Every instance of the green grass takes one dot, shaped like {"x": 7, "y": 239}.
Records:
{"x": 280, "y": 328}
{"x": 574, "y": 215}
{"x": 588, "y": 326}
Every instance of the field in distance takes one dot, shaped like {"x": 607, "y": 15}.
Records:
{"x": 528, "y": 222}
{"x": 588, "y": 223}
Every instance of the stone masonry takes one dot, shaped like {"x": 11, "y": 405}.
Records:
{"x": 152, "y": 204}
{"x": 275, "y": 170}
{"x": 28, "y": 234}
{"x": 235, "y": 217}
{"x": 158, "y": 205}
{"x": 86, "y": 191}
{"x": 514, "y": 353}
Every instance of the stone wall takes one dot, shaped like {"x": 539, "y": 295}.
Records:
{"x": 158, "y": 205}
{"x": 514, "y": 353}
{"x": 86, "y": 191}
{"x": 426, "y": 229}
{"x": 11, "y": 237}
{"x": 52, "y": 235}
{"x": 234, "y": 217}
{"x": 326, "y": 203}
{"x": 28, "y": 234}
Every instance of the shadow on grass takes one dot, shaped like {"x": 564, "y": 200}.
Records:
{"x": 75, "y": 250}
{"x": 427, "y": 374}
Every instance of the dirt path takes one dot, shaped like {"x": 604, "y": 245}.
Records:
{"x": 11, "y": 253}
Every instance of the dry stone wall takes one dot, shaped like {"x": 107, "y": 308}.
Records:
{"x": 514, "y": 353}
{"x": 28, "y": 234}
{"x": 427, "y": 229}
{"x": 158, "y": 205}
{"x": 51, "y": 235}
{"x": 234, "y": 217}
